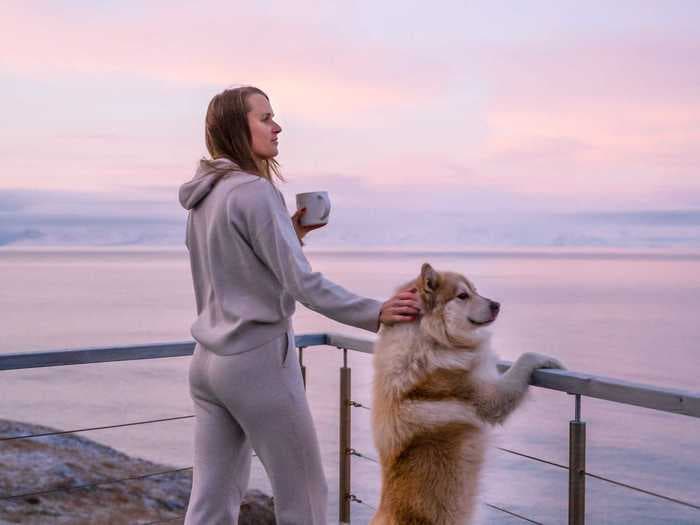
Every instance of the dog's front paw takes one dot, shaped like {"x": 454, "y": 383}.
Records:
{"x": 552, "y": 362}
{"x": 544, "y": 361}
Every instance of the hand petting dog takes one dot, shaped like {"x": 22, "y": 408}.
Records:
{"x": 403, "y": 307}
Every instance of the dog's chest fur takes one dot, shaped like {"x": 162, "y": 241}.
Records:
{"x": 409, "y": 365}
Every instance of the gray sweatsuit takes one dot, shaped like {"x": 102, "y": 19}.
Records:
{"x": 248, "y": 269}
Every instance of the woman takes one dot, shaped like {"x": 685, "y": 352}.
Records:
{"x": 248, "y": 269}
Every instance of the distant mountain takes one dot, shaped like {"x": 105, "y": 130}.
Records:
{"x": 374, "y": 229}
{"x": 43, "y": 218}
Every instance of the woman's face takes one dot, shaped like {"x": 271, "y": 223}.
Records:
{"x": 263, "y": 129}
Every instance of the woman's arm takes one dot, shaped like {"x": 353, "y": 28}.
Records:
{"x": 404, "y": 306}
{"x": 275, "y": 242}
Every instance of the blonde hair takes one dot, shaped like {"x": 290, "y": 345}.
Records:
{"x": 227, "y": 132}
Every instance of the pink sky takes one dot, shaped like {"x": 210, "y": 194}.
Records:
{"x": 570, "y": 106}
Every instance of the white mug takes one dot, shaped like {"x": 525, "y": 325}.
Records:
{"x": 318, "y": 206}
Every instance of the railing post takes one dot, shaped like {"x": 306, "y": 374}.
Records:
{"x": 345, "y": 445}
{"x": 301, "y": 364}
{"x": 577, "y": 467}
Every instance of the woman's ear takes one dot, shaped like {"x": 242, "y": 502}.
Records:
{"x": 429, "y": 281}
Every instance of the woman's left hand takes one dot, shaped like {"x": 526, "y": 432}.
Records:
{"x": 403, "y": 307}
{"x": 303, "y": 230}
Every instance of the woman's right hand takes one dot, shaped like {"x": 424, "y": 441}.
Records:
{"x": 299, "y": 228}
{"x": 403, "y": 307}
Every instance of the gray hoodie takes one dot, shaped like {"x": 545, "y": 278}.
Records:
{"x": 248, "y": 266}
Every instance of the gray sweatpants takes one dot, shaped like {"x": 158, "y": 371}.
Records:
{"x": 254, "y": 401}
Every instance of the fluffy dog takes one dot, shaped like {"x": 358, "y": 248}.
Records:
{"x": 436, "y": 393}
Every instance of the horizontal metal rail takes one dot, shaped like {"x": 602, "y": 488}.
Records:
{"x": 671, "y": 400}
{"x": 84, "y": 356}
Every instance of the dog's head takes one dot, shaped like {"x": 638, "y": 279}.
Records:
{"x": 451, "y": 300}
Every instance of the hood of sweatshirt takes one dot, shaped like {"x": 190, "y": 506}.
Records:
{"x": 205, "y": 178}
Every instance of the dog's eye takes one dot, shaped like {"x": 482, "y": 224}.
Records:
{"x": 463, "y": 296}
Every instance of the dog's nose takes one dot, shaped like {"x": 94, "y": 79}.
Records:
{"x": 495, "y": 307}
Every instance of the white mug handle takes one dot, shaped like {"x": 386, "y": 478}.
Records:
{"x": 327, "y": 208}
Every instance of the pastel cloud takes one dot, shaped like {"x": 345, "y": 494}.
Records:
{"x": 582, "y": 109}
{"x": 618, "y": 117}
{"x": 219, "y": 46}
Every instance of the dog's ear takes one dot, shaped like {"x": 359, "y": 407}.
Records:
{"x": 429, "y": 283}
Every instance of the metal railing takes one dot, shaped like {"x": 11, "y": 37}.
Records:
{"x": 577, "y": 384}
